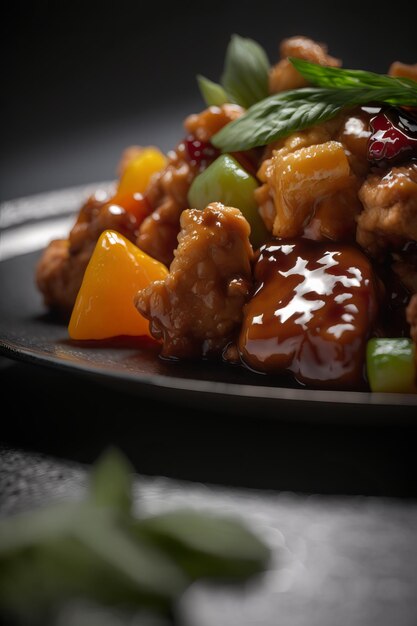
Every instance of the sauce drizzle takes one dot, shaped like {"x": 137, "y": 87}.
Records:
{"x": 314, "y": 306}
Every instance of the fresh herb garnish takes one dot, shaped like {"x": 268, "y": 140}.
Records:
{"x": 284, "y": 113}
{"x": 213, "y": 93}
{"x": 98, "y": 551}
{"x": 338, "y": 78}
{"x": 244, "y": 79}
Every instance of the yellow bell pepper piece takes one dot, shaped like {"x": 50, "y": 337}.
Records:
{"x": 139, "y": 169}
{"x": 104, "y": 306}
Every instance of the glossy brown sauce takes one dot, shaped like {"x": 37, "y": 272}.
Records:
{"x": 354, "y": 136}
{"x": 314, "y": 306}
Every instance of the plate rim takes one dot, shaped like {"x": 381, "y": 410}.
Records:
{"x": 209, "y": 388}
{"x": 68, "y": 200}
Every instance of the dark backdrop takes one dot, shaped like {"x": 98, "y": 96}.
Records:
{"x": 84, "y": 79}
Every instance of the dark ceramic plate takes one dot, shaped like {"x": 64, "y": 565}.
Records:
{"x": 29, "y": 334}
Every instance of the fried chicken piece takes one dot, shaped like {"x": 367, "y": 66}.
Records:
{"x": 167, "y": 194}
{"x": 299, "y": 183}
{"x": 264, "y": 195}
{"x": 61, "y": 268}
{"x": 389, "y": 218}
{"x": 198, "y": 308}
{"x": 314, "y": 306}
{"x": 335, "y": 215}
{"x": 332, "y": 213}
{"x": 168, "y": 190}
{"x": 284, "y": 76}
{"x": 403, "y": 70}
{"x": 352, "y": 129}
{"x": 353, "y": 133}
{"x": 207, "y": 123}
{"x": 303, "y": 176}
{"x": 57, "y": 278}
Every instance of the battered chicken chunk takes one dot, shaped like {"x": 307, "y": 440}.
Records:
{"x": 284, "y": 76}
{"x": 168, "y": 190}
{"x": 403, "y": 70}
{"x": 207, "y": 123}
{"x": 198, "y": 308}
{"x": 57, "y": 278}
{"x": 61, "y": 268}
{"x": 312, "y": 178}
{"x": 265, "y": 194}
{"x": 167, "y": 194}
{"x": 389, "y": 218}
{"x": 315, "y": 304}
{"x": 309, "y": 191}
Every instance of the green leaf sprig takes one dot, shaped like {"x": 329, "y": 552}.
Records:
{"x": 333, "y": 90}
{"x": 97, "y": 551}
{"x": 244, "y": 79}
{"x": 213, "y": 93}
{"x": 339, "y": 78}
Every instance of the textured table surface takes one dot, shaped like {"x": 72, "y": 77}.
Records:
{"x": 336, "y": 560}
{"x": 337, "y": 504}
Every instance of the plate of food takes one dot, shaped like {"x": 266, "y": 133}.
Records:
{"x": 268, "y": 261}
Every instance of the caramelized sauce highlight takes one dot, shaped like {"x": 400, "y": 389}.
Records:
{"x": 314, "y": 306}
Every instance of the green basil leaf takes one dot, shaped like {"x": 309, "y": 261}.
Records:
{"x": 25, "y": 530}
{"x": 89, "y": 550}
{"x": 206, "y": 545}
{"x": 92, "y": 556}
{"x": 133, "y": 560}
{"x": 245, "y": 75}
{"x": 273, "y": 118}
{"x": 111, "y": 482}
{"x": 284, "y": 113}
{"x": 213, "y": 93}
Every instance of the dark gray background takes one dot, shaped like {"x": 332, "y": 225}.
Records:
{"x": 84, "y": 78}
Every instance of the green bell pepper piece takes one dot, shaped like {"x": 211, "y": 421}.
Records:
{"x": 391, "y": 365}
{"x": 226, "y": 181}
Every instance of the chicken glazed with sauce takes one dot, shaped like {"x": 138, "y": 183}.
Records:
{"x": 280, "y": 233}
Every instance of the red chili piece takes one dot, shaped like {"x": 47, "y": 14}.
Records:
{"x": 200, "y": 153}
{"x": 393, "y": 138}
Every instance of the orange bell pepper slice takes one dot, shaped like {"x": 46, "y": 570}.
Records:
{"x": 139, "y": 170}
{"x": 104, "y": 306}
{"x": 134, "y": 203}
